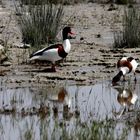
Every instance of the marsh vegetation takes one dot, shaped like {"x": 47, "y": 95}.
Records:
{"x": 129, "y": 37}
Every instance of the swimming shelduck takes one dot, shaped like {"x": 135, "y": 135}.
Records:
{"x": 55, "y": 52}
{"x": 125, "y": 66}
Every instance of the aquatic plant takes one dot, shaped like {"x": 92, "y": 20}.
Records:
{"x": 39, "y": 24}
{"x": 105, "y": 129}
{"x": 129, "y": 37}
{"x": 64, "y": 2}
{"x": 28, "y": 132}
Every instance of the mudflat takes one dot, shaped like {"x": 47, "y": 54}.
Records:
{"x": 91, "y": 59}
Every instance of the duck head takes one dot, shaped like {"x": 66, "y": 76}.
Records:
{"x": 67, "y": 33}
{"x": 117, "y": 78}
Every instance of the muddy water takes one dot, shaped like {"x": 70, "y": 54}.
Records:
{"x": 38, "y": 109}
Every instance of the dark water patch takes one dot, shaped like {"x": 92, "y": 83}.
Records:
{"x": 106, "y": 55}
{"x": 118, "y": 51}
{"x": 112, "y": 51}
{"x": 119, "y": 56}
{"x": 104, "y": 51}
{"x": 103, "y": 63}
{"x": 137, "y": 51}
{"x": 111, "y": 66}
{"x": 106, "y": 71}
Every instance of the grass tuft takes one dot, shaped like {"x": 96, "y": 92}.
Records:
{"x": 39, "y": 24}
{"x": 129, "y": 37}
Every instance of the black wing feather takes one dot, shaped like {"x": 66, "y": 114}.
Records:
{"x": 45, "y": 49}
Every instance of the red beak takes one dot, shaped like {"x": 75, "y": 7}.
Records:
{"x": 71, "y": 33}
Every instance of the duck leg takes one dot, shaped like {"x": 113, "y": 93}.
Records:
{"x": 123, "y": 111}
{"x": 53, "y": 68}
{"x": 124, "y": 78}
{"x": 135, "y": 79}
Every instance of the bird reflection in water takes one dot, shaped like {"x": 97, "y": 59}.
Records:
{"x": 126, "y": 98}
{"x": 137, "y": 126}
{"x": 60, "y": 100}
{"x": 60, "y": 96}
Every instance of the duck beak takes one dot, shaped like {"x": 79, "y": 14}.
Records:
{"x": 71, "y": 33}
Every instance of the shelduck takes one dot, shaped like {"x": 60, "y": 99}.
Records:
{"x": 125, "y": 65}
{"x": 55, "y": 52}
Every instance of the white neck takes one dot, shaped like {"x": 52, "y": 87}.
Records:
{"x": 124, "y": 70}
{"x": 134, "y": 64}
{"x": 66, "y": 45}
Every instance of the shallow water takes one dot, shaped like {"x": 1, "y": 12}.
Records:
{"x": 69, "y": 104}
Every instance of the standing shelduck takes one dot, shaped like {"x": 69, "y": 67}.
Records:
{"x": 55, "y": 52}
{"x": 125, "y": 66}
